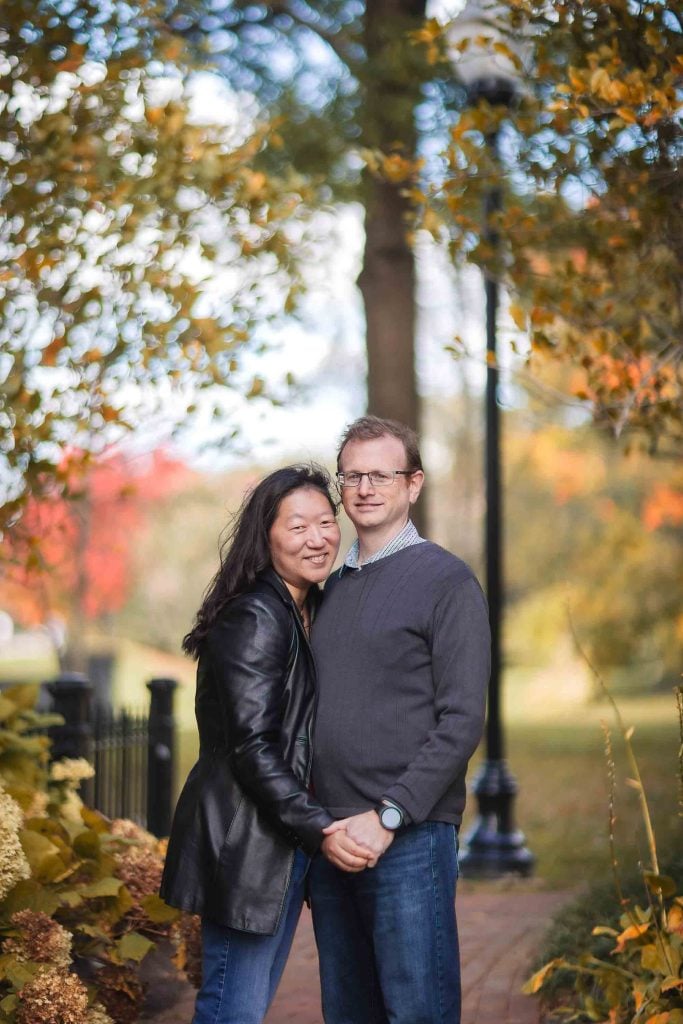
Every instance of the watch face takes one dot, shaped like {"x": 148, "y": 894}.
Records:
{"x": 391, "y": 817}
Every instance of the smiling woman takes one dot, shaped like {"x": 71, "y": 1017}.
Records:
{"x": 304, "y": 540}
{"x": 246, "y": 822}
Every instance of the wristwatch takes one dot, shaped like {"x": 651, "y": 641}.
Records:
{"x": 390, "y": 816}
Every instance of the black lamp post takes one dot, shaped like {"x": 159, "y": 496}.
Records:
{"x": 494, "y": 846}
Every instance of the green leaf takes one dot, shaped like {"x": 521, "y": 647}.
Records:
{"x": 158, "y": 911}
{"x": 18, "y": 972}
{"x": 42, "y": 855}
{"x": 29, "y": 895}
{"x": 9, "y": 1004}
{"x": 94, "y": 820}
{"x": 134, "y": 946}
{"x": 87, "y": 844}
{"x": 652, "y": 960}
{"x": 70, "y": 898}
{"x": 7, "y": 708}
{"x": 108, "y": 886}
{"x": 660, "y": 884}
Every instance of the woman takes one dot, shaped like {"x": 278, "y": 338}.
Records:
{"x": 246, "y": 823}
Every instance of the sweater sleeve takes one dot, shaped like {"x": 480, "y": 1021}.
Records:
{"x": 249, "y": 650}
{"x": 461, "y": 664}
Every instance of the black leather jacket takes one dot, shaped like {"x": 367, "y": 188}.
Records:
{"x": 246, "y": 803}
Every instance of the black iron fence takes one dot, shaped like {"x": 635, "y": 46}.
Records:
{"x": 133, "y": 753}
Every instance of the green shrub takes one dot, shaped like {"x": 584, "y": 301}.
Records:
{"x": 79, "y": 908}
{"x": 627, "y": 969}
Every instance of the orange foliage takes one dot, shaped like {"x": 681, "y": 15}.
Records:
{"x": 570, "y": 473}
{"x": 664, "y": 507}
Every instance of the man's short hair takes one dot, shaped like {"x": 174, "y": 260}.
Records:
{"x": 370, "y": 428}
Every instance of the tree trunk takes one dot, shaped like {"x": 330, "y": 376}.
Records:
{"x": 74, "y": 657}
{"x": 387, "y": 280}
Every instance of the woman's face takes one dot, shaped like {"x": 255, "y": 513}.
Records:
{"x": 304, "y": 539}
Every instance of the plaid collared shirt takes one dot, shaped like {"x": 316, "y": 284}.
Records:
{"x": 404, "y": 539}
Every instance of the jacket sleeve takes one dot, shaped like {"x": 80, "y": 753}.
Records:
{"x": 461, "y": 664}
{"x": 249, "y": 650}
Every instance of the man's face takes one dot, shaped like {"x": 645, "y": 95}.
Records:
{"x": 382, "y": 508}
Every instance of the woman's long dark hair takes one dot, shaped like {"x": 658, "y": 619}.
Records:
{"x": 245, "y": 551}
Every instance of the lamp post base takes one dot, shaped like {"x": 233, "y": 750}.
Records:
{"x": 494, "y": 847}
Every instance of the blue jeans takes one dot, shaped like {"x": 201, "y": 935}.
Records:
{"x": 241, "y": 970}
{"x": 387, "y": 936}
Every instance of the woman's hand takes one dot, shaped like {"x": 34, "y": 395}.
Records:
{"x": 344, "y": 853}
{"x": 364, "y": 829}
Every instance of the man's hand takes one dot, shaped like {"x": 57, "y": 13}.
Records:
{"x": 344, "y": 853}
{"x": 366, "y": 830}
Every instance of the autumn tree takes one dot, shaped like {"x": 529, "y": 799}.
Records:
{"x": 72, "y": 559}
{"x": 355, "y": 97}
{"x": 594, "y": 535}
{"x": 589, "y": 236}
{"x": 140, "y": 249}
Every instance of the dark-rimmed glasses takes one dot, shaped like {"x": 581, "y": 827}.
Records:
{"x": 376, "y": 477}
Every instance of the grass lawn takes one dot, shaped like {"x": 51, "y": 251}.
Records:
{"x": 557, "y": 754}
{"x": 555, "y": 749}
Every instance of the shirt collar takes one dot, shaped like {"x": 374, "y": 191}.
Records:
{"x": 405, "y": 538}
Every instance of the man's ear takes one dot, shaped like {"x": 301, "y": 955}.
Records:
{"x": 415, "y": 483}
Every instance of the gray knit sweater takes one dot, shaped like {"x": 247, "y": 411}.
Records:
{"x": 402, "y": 650}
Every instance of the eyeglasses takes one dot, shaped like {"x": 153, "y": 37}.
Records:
{"x": 376, "y": 477}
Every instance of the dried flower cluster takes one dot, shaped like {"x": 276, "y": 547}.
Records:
{"x": 38, "y": 805}
{"x": 53, "y": 997}
{"x": 13, "y": 863}
{"x": 71, "y": 769}
{"x": 40, "y": 938}
{"x": 124, "y": 828}
{"x": 98, "y": 1015}
{"x": 121, "y": 992}
{"x": 141, "y": 869}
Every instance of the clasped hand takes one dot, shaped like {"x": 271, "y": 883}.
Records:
{"x": 356, "y": 843}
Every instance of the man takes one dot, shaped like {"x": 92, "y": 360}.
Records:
{"x": 402, "y": 649}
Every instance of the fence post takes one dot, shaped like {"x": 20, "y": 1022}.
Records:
{"x": 160, "y": 756}
{"x": 71, "y": 694}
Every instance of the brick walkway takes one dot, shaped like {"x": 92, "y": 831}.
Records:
{"x": 499, "y": 932}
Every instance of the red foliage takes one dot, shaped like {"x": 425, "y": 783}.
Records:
{"x": 75, "y": 554}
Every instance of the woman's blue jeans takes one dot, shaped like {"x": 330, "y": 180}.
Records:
{"x": 387, "y": 936}
{"x": 240, "y": 970}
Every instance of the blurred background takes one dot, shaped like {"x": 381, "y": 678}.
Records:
{"x": 228, "y": 229}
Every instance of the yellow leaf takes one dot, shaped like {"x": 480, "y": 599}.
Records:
{"x": 518, "y": 316}
{"x": 599, "y": 81}
{"x": 632, "y": 932}
{"x": 626, "y": 114}
{"x": 576, "y": 79}
{"x": 536, "y": 980}
{"x": 256, "y": 389}
{"x": 675, "y": 919}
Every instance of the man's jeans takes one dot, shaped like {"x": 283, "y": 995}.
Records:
{"x": 241, "y": 970}
{"x": 387, "y": 936}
